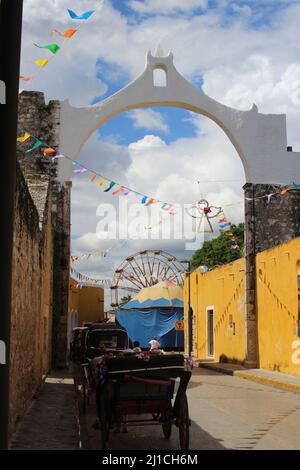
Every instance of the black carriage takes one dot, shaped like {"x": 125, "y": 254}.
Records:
{"x": 97, "y": 340}
{"x": 138, "y": 391}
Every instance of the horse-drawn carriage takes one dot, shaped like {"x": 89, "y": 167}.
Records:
{"x": 134, "y": 389}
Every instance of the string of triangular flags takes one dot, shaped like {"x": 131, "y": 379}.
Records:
{"x": 105, "y": 183}
{"x": 84, "y": 279}
{"x": 281, "y": 192}
{"x": 225, "y": 227}
{"x": 120, "y": 189}
{"x": 66, "y": 35}
{"x": 120, "y": 244}
{"x": 95, "y": 254}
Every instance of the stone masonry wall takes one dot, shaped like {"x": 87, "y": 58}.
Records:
{"x": 43, "y": 122}
{"x": 31, "y": 300}
{"x": 40, "y": 257}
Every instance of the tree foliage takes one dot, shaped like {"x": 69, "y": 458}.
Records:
{"x": 219, "y": 250}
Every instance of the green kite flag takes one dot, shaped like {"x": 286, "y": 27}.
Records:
{"x": 54, "y": 48}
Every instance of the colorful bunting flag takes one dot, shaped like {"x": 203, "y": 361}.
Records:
{"x": 49, "y": 151}
{"x": 24, "y": 137}
{"x": 80, "y": 170}
{"x": 26, "y": 79}
{"x": 101, "y": 183}
{"x": 41, "y": 63}
{"x": 93, "y": 176}
{"x": 118, "y": 191}
{"x": 57, "y": 157}
{"x": 111, "y": 185}
{"x": 150, "y": 201}
{"x": 54, "y": 48}
{"x": 68, "y": 34}
{"x": 37, "y": 144}
{"x": 126, "y": 191}
{"x": 83, "y": 16}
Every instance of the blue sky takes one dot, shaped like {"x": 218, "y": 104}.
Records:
{"x": 122, "y": 130}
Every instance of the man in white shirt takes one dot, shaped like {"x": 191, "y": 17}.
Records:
{"x": 154, "y": 344}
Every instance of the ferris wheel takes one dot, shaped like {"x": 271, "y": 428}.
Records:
{"x": 142, "y": 270}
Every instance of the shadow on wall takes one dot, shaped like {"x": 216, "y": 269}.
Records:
{"x": 223, "y": 359}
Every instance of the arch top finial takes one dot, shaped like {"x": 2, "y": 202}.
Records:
{"x": 159, "y": 58}
{"x": 159, "y": 51}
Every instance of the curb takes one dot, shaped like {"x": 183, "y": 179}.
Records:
{"x": 246, "y": 374}
{"x": 290, "y": 387}
{"x": 218, "y": 369}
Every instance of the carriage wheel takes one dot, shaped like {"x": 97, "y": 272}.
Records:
{"x": 183, "y": 422}
{"x": 167, "y": 421}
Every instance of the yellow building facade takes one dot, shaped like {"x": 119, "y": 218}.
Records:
{"x": 86, "y": 305}
{"x": 277, "y": 287}
{"x": 218, "y": 305}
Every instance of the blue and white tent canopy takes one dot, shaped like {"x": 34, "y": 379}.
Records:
{"x": 163, "y": 294}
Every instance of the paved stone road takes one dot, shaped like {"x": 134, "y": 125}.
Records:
{"x": 227, "y": 413}
{"x": 51, "y": 422}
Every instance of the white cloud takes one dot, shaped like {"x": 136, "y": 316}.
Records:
{"x": 149, "y": 142}
{"x": 241, "y": 9}
{"x": 148, "y": 119}
{"x": 166, "y": 6}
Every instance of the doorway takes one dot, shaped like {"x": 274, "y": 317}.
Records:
{"x": 210, "y": 332}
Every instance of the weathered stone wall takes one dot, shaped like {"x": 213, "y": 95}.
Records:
{"x": 43, "y": 122}
{"x": 61, "y": 269}
{"x": 31, "y": 299}
{"x": 267, "y": 224}
{"x": 40, "y": 258}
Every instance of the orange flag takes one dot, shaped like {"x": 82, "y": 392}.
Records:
{"x": 49, "y": 151}
{"x": 26, "y": 79}
{"x": 69, "y": 33}
{"x": 118, "y": 190}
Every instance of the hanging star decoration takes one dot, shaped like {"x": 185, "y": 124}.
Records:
{"x": 204, "y": 211}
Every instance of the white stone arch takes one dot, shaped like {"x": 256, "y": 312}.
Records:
{"x": 259, "y": 139}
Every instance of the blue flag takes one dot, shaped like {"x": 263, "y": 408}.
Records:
{"x": 84, "y": 16}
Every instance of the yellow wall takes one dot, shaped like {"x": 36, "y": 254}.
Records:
{"x": 224, "y": 290}
{"x": 277, "y": 278}
{"x": 87, "y": 301}
{"x": 277, "y": 305}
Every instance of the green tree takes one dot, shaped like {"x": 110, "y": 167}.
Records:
{"x": 219, "y": 250}
{"x": 125, "y": 299}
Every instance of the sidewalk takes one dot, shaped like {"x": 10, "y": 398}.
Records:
{"x": 51, "y": 422}
{"x": 273, "y": 379}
